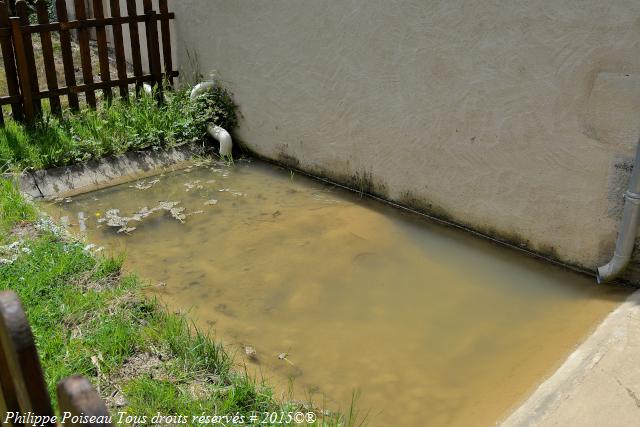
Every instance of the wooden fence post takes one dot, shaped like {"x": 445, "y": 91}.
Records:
{"x": 23, "y": 70}
{"x": 22, "y": 10}
{"x": 121, "y": 61}
{"x": 103, "y": 54}
{"x": 153, "y": 49}
{"x": 135, "y": 43}
{"x": 67, "y": 55}
{"x": 85, "y": 54}
{"x": 47, "y": 56}
{"x": 22, "y": 375}
{"x": 8, "y": 57}
{"x": 166, "y": 40}
{"x": 77, "y": 397}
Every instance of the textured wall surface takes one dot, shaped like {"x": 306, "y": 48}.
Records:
{"x": 518, "y": 119}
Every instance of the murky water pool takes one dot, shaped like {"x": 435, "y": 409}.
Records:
{"x": 338, "y": 293}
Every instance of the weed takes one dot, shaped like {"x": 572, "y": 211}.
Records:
{"x": 13, "y": 208}
{"x": 114, "y": 129}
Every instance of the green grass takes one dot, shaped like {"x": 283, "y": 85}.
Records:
{"x": 13, "y": 208}
{"x": 89, "y": 318}
{"x": 113, "y": 129}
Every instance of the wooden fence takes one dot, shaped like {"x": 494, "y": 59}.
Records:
{"x": 17, "y": 44}
{"x": 23, "y": 389}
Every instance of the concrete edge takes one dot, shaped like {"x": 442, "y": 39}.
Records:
{"x": 563, "y": 384}
{"x": 81, "y": 178}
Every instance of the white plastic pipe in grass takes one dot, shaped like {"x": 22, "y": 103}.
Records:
{"x": 218, "y": 133}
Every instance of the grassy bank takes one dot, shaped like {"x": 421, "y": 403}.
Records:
{"x": 90, "y": 318}
{"x": 113, "y": 129}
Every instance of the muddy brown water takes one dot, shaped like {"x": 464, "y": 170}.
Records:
{"x": 432, "y": 325}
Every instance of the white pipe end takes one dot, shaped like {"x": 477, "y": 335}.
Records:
{"x": 224, "y": 138}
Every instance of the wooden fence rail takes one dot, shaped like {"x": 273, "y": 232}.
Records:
{"x": 17, "y": 46}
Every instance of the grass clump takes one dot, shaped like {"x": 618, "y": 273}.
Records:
{"x": 114, "y": 128}
{"x": 13, "y": 208}
{"x": 89, "y": 318}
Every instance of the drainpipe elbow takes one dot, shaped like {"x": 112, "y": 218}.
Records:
{"x": 626, "y": 239}
{"x": 612, "y": 269}
{"x": 223, "y": 137}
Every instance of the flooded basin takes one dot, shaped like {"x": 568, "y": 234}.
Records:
{"x": 341, "y": 293}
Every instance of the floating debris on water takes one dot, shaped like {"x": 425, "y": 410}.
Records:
{"x": 193, "y": 185}
{"x": 251, "y": 352}
{"x": 112, "y": 217}
{"x": 283, "y": 356}
{"x": 233, "y": 192}
{"x": 144, "y": 185}
{"x": 211, "y": 202}
{"x": 203, "y": 161}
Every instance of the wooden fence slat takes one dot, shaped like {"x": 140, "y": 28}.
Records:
{"x": 67, "y": 55}
{"x": 103, "y": 53}
{"x": 23, "y": 70}
{"x": 21, "y": 360}
{"x": 76, "y": 396}
{"x": 152, "y": 41}
{"x": 85, "y": 53}
{"x": 26, "y": 62}
{"x": 135, "y": 43}
{"x": 165, "y": 28}
{"x": 153, "y": 50}
{"x": 121, "y": 61}
{"x": 10, "y": 69}
{"x": 47, "y": 56}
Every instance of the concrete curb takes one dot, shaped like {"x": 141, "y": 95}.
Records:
{"x": 598, "y": 384}
{"x": 96, "y": 174}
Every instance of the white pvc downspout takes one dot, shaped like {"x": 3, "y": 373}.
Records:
{"x": 218, "y": 133}
{"x": 628, "y": 227}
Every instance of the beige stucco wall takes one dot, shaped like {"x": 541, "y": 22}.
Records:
{"x": 516, "y": 118}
